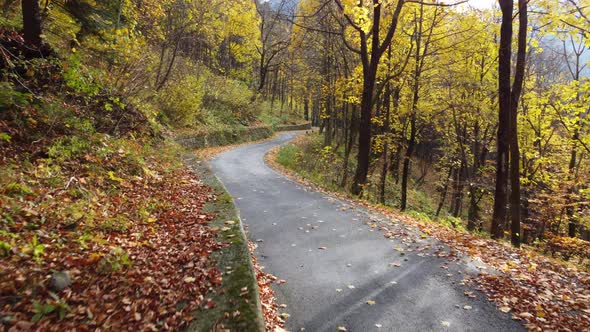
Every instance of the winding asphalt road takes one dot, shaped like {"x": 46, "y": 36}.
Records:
{"x": 335, "y": 264}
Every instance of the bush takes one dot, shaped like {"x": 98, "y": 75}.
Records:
{"x": 230, "y": 101}
{"x": 10, "y": 98}
{"x": 181, "y": 102}
{"x": 568, "y": 247}
{"x": 287, "y": 155}
{"x": 68, "y": 148}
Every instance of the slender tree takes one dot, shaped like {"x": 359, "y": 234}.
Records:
{"x": 32, "y": 22}
{"x": 508, "y": 154}
{"x": 503, "y": 135}
{"x": 514, "y": 98}
{"x": 371, "y": 50}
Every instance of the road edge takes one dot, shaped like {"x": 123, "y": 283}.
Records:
{"x": 246, "y": 315}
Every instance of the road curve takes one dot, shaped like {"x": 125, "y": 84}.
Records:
{"x": 340, "y": 272}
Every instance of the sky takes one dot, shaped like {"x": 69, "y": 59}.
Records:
{"x": 482, "y": 4}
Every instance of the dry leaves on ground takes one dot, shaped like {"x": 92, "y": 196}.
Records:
{"x": 148, "y": 276}
{"x": 270, "y": 309}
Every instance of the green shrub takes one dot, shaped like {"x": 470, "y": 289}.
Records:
{"x": 57, "y": 306}
{"x": 79, "y": 77}
{"x": 117, "y": 224}
{"x": 10, "y": 97}
{"x": 287, "y": 155}
{"x": 68, "y": 148}
{"x": 230, "y": 101}
{"x": 17, "y": 189}
{"x": 114, "y": 262}
{"x": 181, "y": 102}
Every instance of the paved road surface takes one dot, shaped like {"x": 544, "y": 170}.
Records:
{"x": 328, "y": 288}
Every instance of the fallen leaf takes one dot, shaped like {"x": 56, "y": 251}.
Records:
{"x": 526, "y": 315}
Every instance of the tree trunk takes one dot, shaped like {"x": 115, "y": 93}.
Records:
{"x": 473, "y": 212}
{"x": 443, "y": 192}
{"x": 572, "y": 226}
{"x": 328, "y": 121}
{"x": 262, "y": 72}
{"x": 514, "y": 150}
{"x": 306, "y": 108}
{"x": 457, "y": 201}
{"x": 394, "y": 164}
{"x": 364, "y": 148}
{"x": 32, "y": 22}
{"x": 503, "y": 136}
{"x": 407, "y": 159}
{"x": 348, "y": 149}
{"x": 386, "y": 143}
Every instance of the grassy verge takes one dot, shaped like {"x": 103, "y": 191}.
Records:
{"x": 324, "y": 166}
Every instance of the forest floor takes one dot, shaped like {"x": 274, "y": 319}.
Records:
{"x": 543, "y": 293}
{"x": 102, "y": 223}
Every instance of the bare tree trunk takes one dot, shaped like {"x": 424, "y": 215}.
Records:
{"x": 306, "y": 108}
{"x": 348, "y": 149}
{"x": 572, "y": 226}
{"x": 473, "y": 212}
{"x": 32, "y": 22}
{"x": 394, "y": 164}
{"x": 457, "y": 201}
{"x": 503, "y": 138}
{"x": 364, "y": 148}
{"x": 443, "y": 192}
{"x": 328, "y": 123}
{"x": 407, "y": 160}
{"x": 386, "y": 144}
{"x": 514, "y": 150}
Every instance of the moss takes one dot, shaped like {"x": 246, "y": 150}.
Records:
{"x": 234, "y": 258}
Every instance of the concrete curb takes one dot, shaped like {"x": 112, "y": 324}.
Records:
{"x": 221, "y": 137}
{"x": 236, "y": 255}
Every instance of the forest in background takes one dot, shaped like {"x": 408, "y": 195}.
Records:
{"x": 412, "y": 98}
